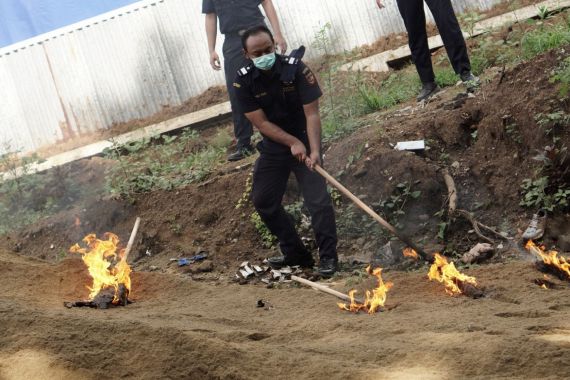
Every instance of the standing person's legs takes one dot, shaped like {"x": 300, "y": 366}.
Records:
{"x": 270, "y": 177}
{"x": 319, "y": 203}
{"x": 412, "y": 12}
{"x": 451, "y": 35}
{"x": 233, "y": 61}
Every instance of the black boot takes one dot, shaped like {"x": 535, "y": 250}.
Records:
{"x": 305, "y": 261}
{"x": 470, "y": 80}
{"x": 241, "y": 153}
{"x": 328, "y": 267}
{"x": 428, "y": 90}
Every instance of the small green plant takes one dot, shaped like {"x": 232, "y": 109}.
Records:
{"x": 562, "y": 75}
{"x": 267, "y": 238}
{"x": 543, "y": 12}
{"x": 244, "y": 200}
{"x": 335, "y": 195}
{"x": 162, "y": 163}
{"x": 393, "y": 207}
{"x": 469, "y": 21}
{"x": 553, "y": 122}
{"x": 539, "y": 193}
{"x": 513, "y": 132}
{"x": 354, "y": 157}
{"x": 445, "y": 77}
{"x": 396, "y": 89}
{"x": 543, "y": 39}
{"x": 27, "y": 196}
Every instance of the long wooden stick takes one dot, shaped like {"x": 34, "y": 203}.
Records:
{"x": 369, "y": 211}
{"x": 132, "y": 239}
{"x": 324, "y": 289}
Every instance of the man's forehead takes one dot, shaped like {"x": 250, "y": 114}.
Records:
{"x": 259, "y": 40}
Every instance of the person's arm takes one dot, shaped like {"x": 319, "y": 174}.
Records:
{"x": 271, "y": 13}
{"x": 273, "y": 132}
{"x": 379, "y": 3}
{"x": 313, "y": 133}
{"x": 212, "y": 33}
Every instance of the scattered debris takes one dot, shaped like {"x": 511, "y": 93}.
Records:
{"x": 254, "y": 273}
{"x": 191, "y": 260}
{"x": 545, "y": 283}
{"x": 480, "y": 252}
{"x": 417, "y": 145}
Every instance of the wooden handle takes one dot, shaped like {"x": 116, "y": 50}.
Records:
{"x": 324, "y": 289}
{"x": 132, "y": 238}
{"x": 369, "y": 211}
{"x": 355, "y": 199}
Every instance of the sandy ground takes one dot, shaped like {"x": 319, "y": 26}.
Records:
{"x": 182, "y": 329}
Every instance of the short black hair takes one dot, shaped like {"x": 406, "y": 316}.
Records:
{"x": 254, "y": 31}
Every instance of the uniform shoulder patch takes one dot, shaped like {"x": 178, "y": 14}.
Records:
{"x": 309, "y": 76}
{"x": 244, "y": 70}
{"x": 237, "y": 85}
{"x": 290, "y": 60}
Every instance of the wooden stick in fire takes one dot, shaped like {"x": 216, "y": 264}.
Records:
{"x": 324, "y": 289}
{"x": 132, "y": 238}
{"x": 371, "y": 212}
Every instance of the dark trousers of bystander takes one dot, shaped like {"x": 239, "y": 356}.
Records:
{"x": 412, "y": 12}
{"x": 234, "y": 60}
{"x": 270, "y": 177}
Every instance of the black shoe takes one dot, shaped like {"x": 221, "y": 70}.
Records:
{"x": 240, "y": 154}
{"x": 283, "y": 261}
{"x": 328, "y": 267}
{"x": 470, "y": 80}
{"x": 428, "y": 90}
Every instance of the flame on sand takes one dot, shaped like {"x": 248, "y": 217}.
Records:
{"x": 108, "y": 268}
{"x": 550, "y": 258}
{"x": 409, "y": 252}
{"x": 448, "y": 275}
{"x": 374, "y": 298}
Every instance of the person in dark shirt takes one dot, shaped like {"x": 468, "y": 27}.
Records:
{"x": 412, "y": 12}
{"x": 286, "y": 112}
{"x": 235, "y": 16}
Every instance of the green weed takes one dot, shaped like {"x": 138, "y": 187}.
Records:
{"x": 396, "y": 89}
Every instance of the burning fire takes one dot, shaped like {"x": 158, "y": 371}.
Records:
{"x": 448, "y": 275}
{"x": 550, "y": 258}
{"x": 107, "y": 268}
{"x": 409, "y": 252}
{"x": 374, "y": 298}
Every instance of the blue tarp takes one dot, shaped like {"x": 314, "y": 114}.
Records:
{"x": 22, "y": 19}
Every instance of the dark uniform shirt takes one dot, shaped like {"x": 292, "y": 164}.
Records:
{"x": 281, "y": 102}
{"x": 235, "y": 15}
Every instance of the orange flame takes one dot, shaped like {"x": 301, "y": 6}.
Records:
{"x": 374, "y": 299}
{"x": 549, "y": 258}
{"x": 409, "y": 252}
{"x": 99, "y": 258}
{"x": 448, "y": 275}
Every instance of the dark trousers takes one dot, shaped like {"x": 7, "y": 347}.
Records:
{"x": 233, "y": 61}
{"x": 412, "y": 12}
{"x": 270, "y": 177}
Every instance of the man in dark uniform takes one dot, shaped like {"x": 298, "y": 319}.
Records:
{"x": 235, "y": 17}
{"x": 283, "y": 104}
{"x": 412, "y": 12}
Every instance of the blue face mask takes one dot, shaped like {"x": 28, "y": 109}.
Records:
{"x": 265, "y": 62}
